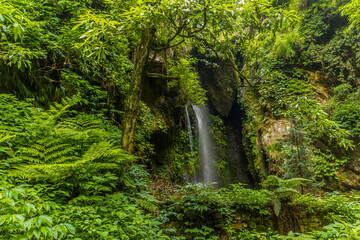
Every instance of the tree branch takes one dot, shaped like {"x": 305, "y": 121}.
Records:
{"x": 233, "y": 65}
{"x": 159, "y": 75}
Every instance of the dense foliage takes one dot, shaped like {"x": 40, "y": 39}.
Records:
{"x": 93, "y": 138}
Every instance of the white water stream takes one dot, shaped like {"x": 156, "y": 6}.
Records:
{"x": 207, "y": 172}
{"x": 188, "y": 128}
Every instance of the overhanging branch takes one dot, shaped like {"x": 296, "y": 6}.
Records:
{"x": 159, "y": 75}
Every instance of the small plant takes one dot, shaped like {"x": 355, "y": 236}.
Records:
{"x": 241, "y": 197}
{"x": 348, "y": 113}
{"x": 203, "y": 233}
{"x": 326, "y": 165}
{"x": 279, "y": 189}
{"x": 24, "y": 215}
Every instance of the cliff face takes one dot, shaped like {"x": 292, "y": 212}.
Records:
{"x": 320, "y": 67}
{"x": 268, "y": 137}
{"x": 171, "y": 147}
{"x": 222, "y": 83}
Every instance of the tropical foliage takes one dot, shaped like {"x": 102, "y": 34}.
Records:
{"x": 93, "y": 142}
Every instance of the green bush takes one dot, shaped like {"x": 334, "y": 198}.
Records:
{"x": 69, "y": 157}
{"x": 347, "y": 112}
{"x": 25, "y": 215}
{"x": 113, "y": 216}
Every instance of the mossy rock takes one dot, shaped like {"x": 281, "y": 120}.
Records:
{"x": 221, "y": 81}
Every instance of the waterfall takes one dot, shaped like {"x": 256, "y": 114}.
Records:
{"x": 186, "y": 177}
{"x": 188, "y": 128}
{"x": 207, "y": 171}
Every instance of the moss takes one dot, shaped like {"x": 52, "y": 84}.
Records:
{"x": 221, "y": 81}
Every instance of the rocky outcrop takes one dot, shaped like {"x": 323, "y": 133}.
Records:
{"x": 321, "y": 85}
{"x": 260, "y": 146}
{"x": 273, "y": 131}
{"x": 238, "y": 169}
{"x": 350, "y": 177}
{"x": 221, "y": 81}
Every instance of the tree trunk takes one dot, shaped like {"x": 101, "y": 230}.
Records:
{"x": 133, "y": 97}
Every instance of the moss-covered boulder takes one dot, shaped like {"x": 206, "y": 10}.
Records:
{"x": 221, "y": 81}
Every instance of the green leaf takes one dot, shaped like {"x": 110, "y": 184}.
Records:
{"x": 29, "y": 223}
{"x": 29, "y": 207}
{"x": 70, "y": 228}
{"x": 20, "y": 218}
{"x": 48, "y": 221}
{"x": 277, "y": 206}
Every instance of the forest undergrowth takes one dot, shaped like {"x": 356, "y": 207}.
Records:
{"x": 93, "y": 142}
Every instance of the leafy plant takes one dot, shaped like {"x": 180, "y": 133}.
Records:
{"x": 347, "y": 113}
{"x": 203, "y": 233}
{"x": 282, "y": 189}
{"x": 325, "y": 164}
{"x": 241, "y": 197}
{"x": 187, "y": 81}
{"x": 24, "y": 215}
{"x": 114, "y": 216}
{"x": 343, "y": 230}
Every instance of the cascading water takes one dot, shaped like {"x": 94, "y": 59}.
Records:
{"x": 207, "y": 172}
{"x": 188, "y": 128}
{"x": 186, "y": 177}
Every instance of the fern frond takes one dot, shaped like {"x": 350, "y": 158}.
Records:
{"x": 13, "y": 130}
{"x": 53, "y": 141}
{"x": 69, "y": 159}
{"x": 285, "y": 192}
{"x": 44, "y": 171}
{"x": 150, "y": 206}
{"x": 277, "y": 206}
{"x": 39, "y": 146}
{"x": 77, "y": 133}
{"x": 96, "y": 151}
{"x": 146, "y": 201}
{"x": 31, "y": 151}
{"x": 62, "y": 170}
{"x": 100, "y": 166}
{"x": 57, "y": 110}
{"x": 97, "y": 132}
{"x": 53, "y": 167}
{"x": 56, "y": 155}
{"x": 54, "y": 148}
{"x": 67, "y": 124}
{"x": 293, "y": 182}
{"x": 24, "y": 173}
{"x": 6, "y": 137}
{"x": 30, "y": 160}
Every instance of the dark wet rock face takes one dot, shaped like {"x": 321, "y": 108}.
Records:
{"x": 221, "y": 81}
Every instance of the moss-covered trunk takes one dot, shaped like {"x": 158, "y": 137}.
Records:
{"x": 132, "y": 103}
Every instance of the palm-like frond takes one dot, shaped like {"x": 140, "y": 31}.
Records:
{"x": 59, "y": 164}
{"x": 57, "y": 146}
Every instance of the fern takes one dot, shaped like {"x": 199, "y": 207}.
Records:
{"x": 49, "y": 150}
{"x": 62, "y": 146}
{"x": 278, "y": 189}
{"x": 273, "y": 182}
{"x": 147, "y": 201}
{"x": 86, "y": 127}
{"x": 5, "y": 137}
{"x": 5, "y": 146}
{"x": 57, "y": 110}
{"x": 277, "y": 206}
{"x": 61, "y": 164}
